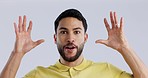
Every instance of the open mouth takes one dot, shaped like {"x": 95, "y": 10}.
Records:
{"x": 70, "y": 48}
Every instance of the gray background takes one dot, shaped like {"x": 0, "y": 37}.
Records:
{"x": 44, "y": 12}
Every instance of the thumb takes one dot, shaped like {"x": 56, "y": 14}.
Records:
{"x": 101, "y": 41}
{"x": 38, "y": 42}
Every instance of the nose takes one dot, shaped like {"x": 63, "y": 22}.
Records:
{"x": 70, "y": 38}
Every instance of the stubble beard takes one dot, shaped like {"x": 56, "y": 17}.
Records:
{"x": 70, "y": 59}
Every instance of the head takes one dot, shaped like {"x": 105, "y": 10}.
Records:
{"x": 70, "y": 34}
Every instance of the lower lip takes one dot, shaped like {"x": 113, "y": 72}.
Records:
{"x": 70, "y": 50}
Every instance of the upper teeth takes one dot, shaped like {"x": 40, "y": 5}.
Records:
{"x": 70, "y": 46}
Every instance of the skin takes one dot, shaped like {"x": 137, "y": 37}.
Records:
{"x": 70, "y": 30}
{"x": 116, "y": 40}
{"x": 23, "y": 45}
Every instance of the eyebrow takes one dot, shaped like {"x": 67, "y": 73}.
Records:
{"x": 63, "y": 28}
{"x": 77, "y": 28}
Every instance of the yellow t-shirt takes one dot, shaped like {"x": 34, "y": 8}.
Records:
{"x": 87, "y": 69}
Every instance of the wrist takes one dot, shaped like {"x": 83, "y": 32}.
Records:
{"x": 19, "y": 54}
{"x": 125, "y": 49}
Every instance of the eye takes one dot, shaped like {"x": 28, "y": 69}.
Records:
{"x": 77, "y": 32}
{"x": 63, "y": 32}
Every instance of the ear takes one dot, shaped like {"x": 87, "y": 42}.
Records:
{"x": 55, "y": 38}
{"x": 85, "y": 37}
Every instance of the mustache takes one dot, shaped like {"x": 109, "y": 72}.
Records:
{"x": 70, "y": 44}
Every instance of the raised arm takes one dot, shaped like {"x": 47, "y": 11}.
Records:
{"x": 23, "y": 44}
{"x": 116, "y": 40}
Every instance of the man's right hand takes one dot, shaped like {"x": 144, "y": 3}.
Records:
{"x": 24, "y": 42}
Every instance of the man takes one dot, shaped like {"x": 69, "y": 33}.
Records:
{"x": 70, "y": 37}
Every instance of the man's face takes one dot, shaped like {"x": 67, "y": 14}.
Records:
{"x": 70, "y": 38}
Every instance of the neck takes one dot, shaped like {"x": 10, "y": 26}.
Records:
{"x": 72, "y": 64}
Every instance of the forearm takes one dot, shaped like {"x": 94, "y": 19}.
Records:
{"x": 12, "y": 65}
{"x": 138, "y": 68}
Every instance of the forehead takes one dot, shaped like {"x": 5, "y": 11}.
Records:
{"x": 70, "y": 23}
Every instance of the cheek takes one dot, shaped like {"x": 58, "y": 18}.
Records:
{"x": 80, "y": 39}
{"x": 60, "y": 40}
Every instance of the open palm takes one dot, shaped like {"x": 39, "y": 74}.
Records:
{"x": 24, "y": 43}
{"x": 116, "y": 38}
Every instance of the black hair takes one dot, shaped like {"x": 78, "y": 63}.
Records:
{"x": 71, "y": 13}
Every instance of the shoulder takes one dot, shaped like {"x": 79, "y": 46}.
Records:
{"x": 98, "y": 65}
{"x": 38, "y": 69}
{"x": 105, "y": 66}
{"x": 101, "y": 64}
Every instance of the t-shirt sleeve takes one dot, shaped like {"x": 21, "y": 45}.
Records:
{"x": 125, "y": 75}
{"x": 118, "y": 73}
{"x": 31, "y": 74}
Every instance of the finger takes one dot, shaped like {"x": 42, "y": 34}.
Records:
{"x": 30, "y": 27}
{"x": 121, "y": 24}
{"x": 115, "y": 18}
{"x": 106, "y": 24}
{"x": 24, "y": 23}
{"x": 16, "y": 29}
{"x": 112, "y": 20}
{"x": 38, "y": 42}
{"x": 105, "y": 42}
{"x": 20, "y": 24}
